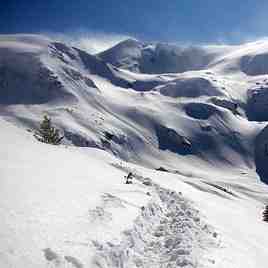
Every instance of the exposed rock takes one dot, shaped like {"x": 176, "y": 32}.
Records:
{"x": 169, "y": 139}
{"x": 261, "y": 154}
{"x": 190, "y": 87}
{"x": 199, "y": 110}
{"x": 255, "y": 64}
{"x": 225, "y": 103}
{"x": 257, "y": 104}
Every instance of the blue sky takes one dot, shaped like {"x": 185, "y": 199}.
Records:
{"x": 194, "y": 21}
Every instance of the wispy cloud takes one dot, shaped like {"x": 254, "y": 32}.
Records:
{"x": 92, "y": 42}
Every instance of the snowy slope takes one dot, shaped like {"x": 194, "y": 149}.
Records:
{"x": 83, "y": 215}
{"x": 89, "y": 99}
{"x": 197, "y": 112}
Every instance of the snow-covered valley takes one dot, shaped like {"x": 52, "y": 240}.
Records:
{"x": 198, "y": 114}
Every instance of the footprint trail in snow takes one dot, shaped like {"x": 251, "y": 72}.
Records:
{"x": 168, "y": 233}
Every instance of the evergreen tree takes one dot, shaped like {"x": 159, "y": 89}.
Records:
{"x": 47, "y": 133}
{"x": 265, "y": 214}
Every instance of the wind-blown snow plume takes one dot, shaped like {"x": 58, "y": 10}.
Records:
{"x": 91, "y": 42}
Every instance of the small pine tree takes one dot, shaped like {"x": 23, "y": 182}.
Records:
{"x": 265, "y": 214}
{"x": 47, "y": 133}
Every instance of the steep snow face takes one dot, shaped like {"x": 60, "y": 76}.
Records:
{"x": 158, "y": 58}
{"x": 23, "y": 77}
{"x": 23, "y": 85}
{"x": 250, "y": 59}
{"x": 125, "y": 54}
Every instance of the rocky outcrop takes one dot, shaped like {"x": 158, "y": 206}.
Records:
{"x": 257, "y": 104}
{"x": 255, "y": 64}
{"x": 261, "y": 154}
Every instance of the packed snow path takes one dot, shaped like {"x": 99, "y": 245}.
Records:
{"x": 167, "y": 233}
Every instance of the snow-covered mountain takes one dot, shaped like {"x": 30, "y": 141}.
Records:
{"x": 197, "y": 112}
{"x": 159, "y": 57}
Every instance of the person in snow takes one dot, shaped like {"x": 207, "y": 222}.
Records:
{"x": 129, "y": 178}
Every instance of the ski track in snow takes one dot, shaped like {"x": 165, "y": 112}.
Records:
{"x": 168, "y": 233}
